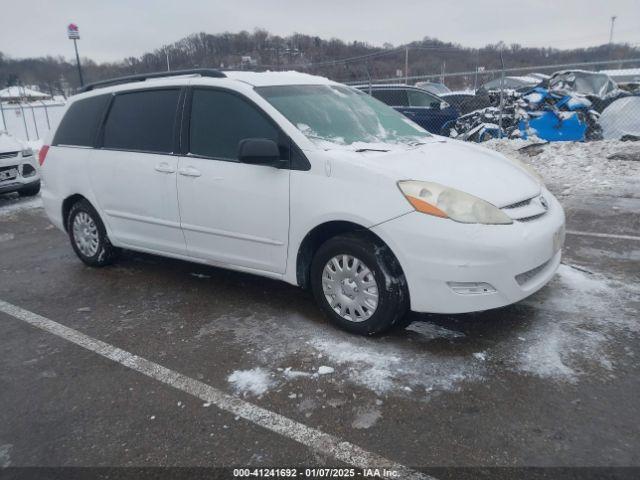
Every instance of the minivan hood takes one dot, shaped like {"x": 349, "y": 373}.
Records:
{"x": 472, "y": 169}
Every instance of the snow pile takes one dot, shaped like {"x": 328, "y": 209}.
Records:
{"x": 255, "y": 381}
{"x": 592, "y": 168}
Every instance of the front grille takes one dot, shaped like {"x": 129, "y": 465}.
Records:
{"x": 529, "y": 275}
{"x": 8, "y": 155}
{"x": 531, "y": 218}
{"x": 527, "y": 210}
{"x": 523, "y": 203}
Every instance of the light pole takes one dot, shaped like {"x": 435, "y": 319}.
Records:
{"x": 74, "y": 34}
{"x": 613, "y": 21}
{"x": 406, "y": 65}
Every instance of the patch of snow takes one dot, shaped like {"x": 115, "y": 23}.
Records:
{"x": 5, "y": 458}
{"x": 5, "y": 237}
{"x": 11, "y": 206}
{"x": 290, "y": 374}
{"x": 324, "y": 370}
{"x": 580, "y": 314}
{"x": 482, "y": 356}
{"x": 383, "y": 367}
{"x": 433, "y": 331}
{"x": 366, "y": 418}
{"x": 255, "y": 381}
{"x": 291, "y": 77}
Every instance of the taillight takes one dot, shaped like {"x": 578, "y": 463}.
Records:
{"x": 42, "y": 154}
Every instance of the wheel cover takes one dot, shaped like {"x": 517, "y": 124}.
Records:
{"x": 85, "y": 234}
{"x": 350, "y": 288}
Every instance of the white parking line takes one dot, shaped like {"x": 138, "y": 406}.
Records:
{"x": 315, "y": 439}
{"x": 603, "y": 235}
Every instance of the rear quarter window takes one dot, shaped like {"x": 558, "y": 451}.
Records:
{"x": 142, "y": 121}
{"x": 80, "y": 123}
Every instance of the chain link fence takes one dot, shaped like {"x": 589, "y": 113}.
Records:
{"x": 30, "y": 121}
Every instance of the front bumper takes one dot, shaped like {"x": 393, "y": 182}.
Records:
{"x": 516, "y": 260}
{"x": 28, "y": 173}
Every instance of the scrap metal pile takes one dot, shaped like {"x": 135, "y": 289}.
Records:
{"x": 566, "y": 107}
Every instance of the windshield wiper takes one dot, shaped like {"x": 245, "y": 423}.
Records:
{"x": 371, "y": 150}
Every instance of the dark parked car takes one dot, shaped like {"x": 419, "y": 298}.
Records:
{"x": 466, "y": 102}
{"x": 424, "y": 108}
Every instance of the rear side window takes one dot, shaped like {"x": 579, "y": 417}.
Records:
{"x": 80, "y": 123}
{"x": 219, "y": 120}
{"x": 394, "y": 98}
{"x": 142, "y": 121}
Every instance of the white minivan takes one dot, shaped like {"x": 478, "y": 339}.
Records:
{"x": 299, "y": 178}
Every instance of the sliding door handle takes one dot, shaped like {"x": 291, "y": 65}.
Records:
{"x": 189, "y": 172}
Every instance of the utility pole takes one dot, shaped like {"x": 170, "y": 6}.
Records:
{"x": 501, "y": 93}
{"x": 166, "y": 52}
{"x": 74, "y": 34}
{"x": 613, "y": 21}
{"x": 406, "y": 65}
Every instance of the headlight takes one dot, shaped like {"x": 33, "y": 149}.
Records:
{"x": 27, "y": 152}
{"x": 440, "y": 201}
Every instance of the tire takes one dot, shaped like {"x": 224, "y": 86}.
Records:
{"x": 93, "y": 247}
{"x": 339, "y": 255}
{"x": 30, "y": 191}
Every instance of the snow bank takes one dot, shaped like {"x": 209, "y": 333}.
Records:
{"x": 579, "y": 167}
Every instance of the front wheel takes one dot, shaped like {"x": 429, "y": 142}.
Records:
{"x": 358, "y": 283}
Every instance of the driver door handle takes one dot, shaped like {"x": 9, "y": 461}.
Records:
{"x": 189, "y": 172}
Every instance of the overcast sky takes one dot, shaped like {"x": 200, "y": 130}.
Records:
{"x": 115, "y": 29}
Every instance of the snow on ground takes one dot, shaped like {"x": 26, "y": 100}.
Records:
{"x": 566, "y": 332}
{"x": 580, "y": 167}
{"x": 255, "y": 381}
{"x": 5, "y": 459}
{"x": 10, "y": 205}
{"x": 581, "y": 315}
{"x": 383, "y": 365}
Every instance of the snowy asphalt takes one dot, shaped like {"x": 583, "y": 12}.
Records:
{"x": 552, "y": 381}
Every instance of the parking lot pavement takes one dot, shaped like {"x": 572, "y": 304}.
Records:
{"x": 551, "y": 381}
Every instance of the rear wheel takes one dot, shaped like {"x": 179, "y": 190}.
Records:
{"x": 88, "y": 236}
{"x": 358, "y": 283}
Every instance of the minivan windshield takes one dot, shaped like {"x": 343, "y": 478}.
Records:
{"x": 336, "y": 115}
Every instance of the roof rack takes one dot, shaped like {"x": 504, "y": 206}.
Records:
{"x": 203, "y": 72}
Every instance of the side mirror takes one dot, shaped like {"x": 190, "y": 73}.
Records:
{"x": 258, "y": 151}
